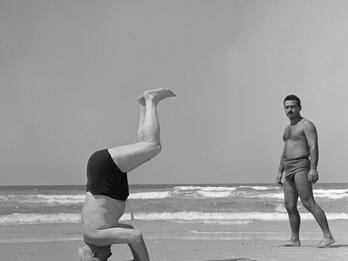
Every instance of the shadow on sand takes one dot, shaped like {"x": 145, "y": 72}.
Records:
{"x": 235, "y": 259}
{"x": 338, "y": 245}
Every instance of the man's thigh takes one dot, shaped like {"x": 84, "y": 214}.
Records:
{"x": 290, "y": 191}
{"x": 303, "y": 186}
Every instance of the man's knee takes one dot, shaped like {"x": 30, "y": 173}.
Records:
{"x": 156, "y": 148}
{"x": 308, "y": 203}
{"x": 291, "y": 207}
{"x": 136, "y": 236}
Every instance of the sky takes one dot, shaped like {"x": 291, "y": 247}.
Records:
{"x": 70, "y": 72}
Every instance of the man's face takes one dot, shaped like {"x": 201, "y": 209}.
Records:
{"x": 291, "y": 108}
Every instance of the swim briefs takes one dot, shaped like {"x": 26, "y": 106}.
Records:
{"x": 105, "y": 178}
{"x": 294, "y": 166}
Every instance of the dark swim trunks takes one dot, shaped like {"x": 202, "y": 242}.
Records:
{"x": 105, "y": 178}
{"x": 294, "y": 166}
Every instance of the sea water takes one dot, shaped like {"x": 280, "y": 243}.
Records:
{"x": 186, "y": 208}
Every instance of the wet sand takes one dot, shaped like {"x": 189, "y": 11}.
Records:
{"x": 260, "y": 241}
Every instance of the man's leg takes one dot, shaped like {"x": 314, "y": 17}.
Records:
{"x": 92, "y": 252}
{"x": 141, "y": 101}
{"x": 134, "y": 253}
{"x": 131, "y": 156}
{"x": 305, "y": 191}
{"x": 119, "y": 235}
{"x": 290, "y": 202}
{"x": 128, "y": 158}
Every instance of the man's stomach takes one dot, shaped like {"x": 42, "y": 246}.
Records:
{"x": 101, "y": 211}
{"x": 295, "y": 150}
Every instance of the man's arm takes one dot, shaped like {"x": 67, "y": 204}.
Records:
{"x": 280, "y": 169}
{"x": 281, "y": 164}
{"x": 312, "y": 140}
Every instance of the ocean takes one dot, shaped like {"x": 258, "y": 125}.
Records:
{"x": 191, "y": 210}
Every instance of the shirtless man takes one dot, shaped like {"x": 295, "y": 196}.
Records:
{"x": 299, "y": 162}
{"x": 107, "y": 186}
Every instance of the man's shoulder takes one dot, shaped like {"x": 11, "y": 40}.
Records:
{"x": 307, "y": 124}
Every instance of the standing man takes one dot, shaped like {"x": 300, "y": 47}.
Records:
{"x": 299, "y": 161}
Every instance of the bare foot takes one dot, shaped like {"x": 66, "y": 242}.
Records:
{"x": 293, "y": 243}
{"x": 141, "y": 99}
{"x": 158, "y": 94}
{"x": 326, "y": 242}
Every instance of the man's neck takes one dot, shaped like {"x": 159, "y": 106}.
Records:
{"x": 294, "y": 121}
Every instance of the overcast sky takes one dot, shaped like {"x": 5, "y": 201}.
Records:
{"x": 70, "y": 72}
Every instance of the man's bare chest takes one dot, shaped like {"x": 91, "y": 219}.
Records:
{"x": 294, "y": 133}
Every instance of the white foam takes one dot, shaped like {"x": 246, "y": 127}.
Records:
{"x": 259, "y": 187}
{"x": 212, "y": 217}
{"x": 278, "y": 195}
{"x": 331, "y": 193}
{"x": 228, "y": 216}
{"x": 150, "y": 195}
{"x": 202, "y": 188}
{"x": 42, "y": 198}
{"x": 204, "y": 192}
{"x": 208, "y": 194}
{"x": 228, "y": 222}
{"x": 61, "y": 199}
{"x": 31, "y": 218}
{"x": 335, "y": 191}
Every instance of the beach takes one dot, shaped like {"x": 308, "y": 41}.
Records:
{"x": 179, "y": 222}
{"x": 260, "y": 242}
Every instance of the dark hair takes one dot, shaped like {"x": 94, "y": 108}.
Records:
{"x": 292, "y": 97}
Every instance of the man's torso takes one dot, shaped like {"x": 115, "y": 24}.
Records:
{"x": 296, "y": 145}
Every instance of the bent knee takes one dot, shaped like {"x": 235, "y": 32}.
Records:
{"x": 136, "y": 236}
{"x": 155, "y": 147}
{"x": 152, "y": 149}
{"x": 93, "y": 236}
{"x": 90, "y": 235}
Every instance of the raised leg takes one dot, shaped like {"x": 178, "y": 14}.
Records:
{"x": 141, "y": 101}
{"x": 290, "y": 202}
{"x": 131, "y": 156}
{"x": 305, "y": 191}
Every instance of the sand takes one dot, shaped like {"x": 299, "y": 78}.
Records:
{"x": 259, "y": 241}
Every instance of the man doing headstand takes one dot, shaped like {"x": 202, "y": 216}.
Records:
{"x": 107, "y": 186}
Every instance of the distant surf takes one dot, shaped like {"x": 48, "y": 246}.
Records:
{"x": 219, "y": 204}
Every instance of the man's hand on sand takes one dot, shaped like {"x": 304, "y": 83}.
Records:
{"x": 313, "y": 176}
